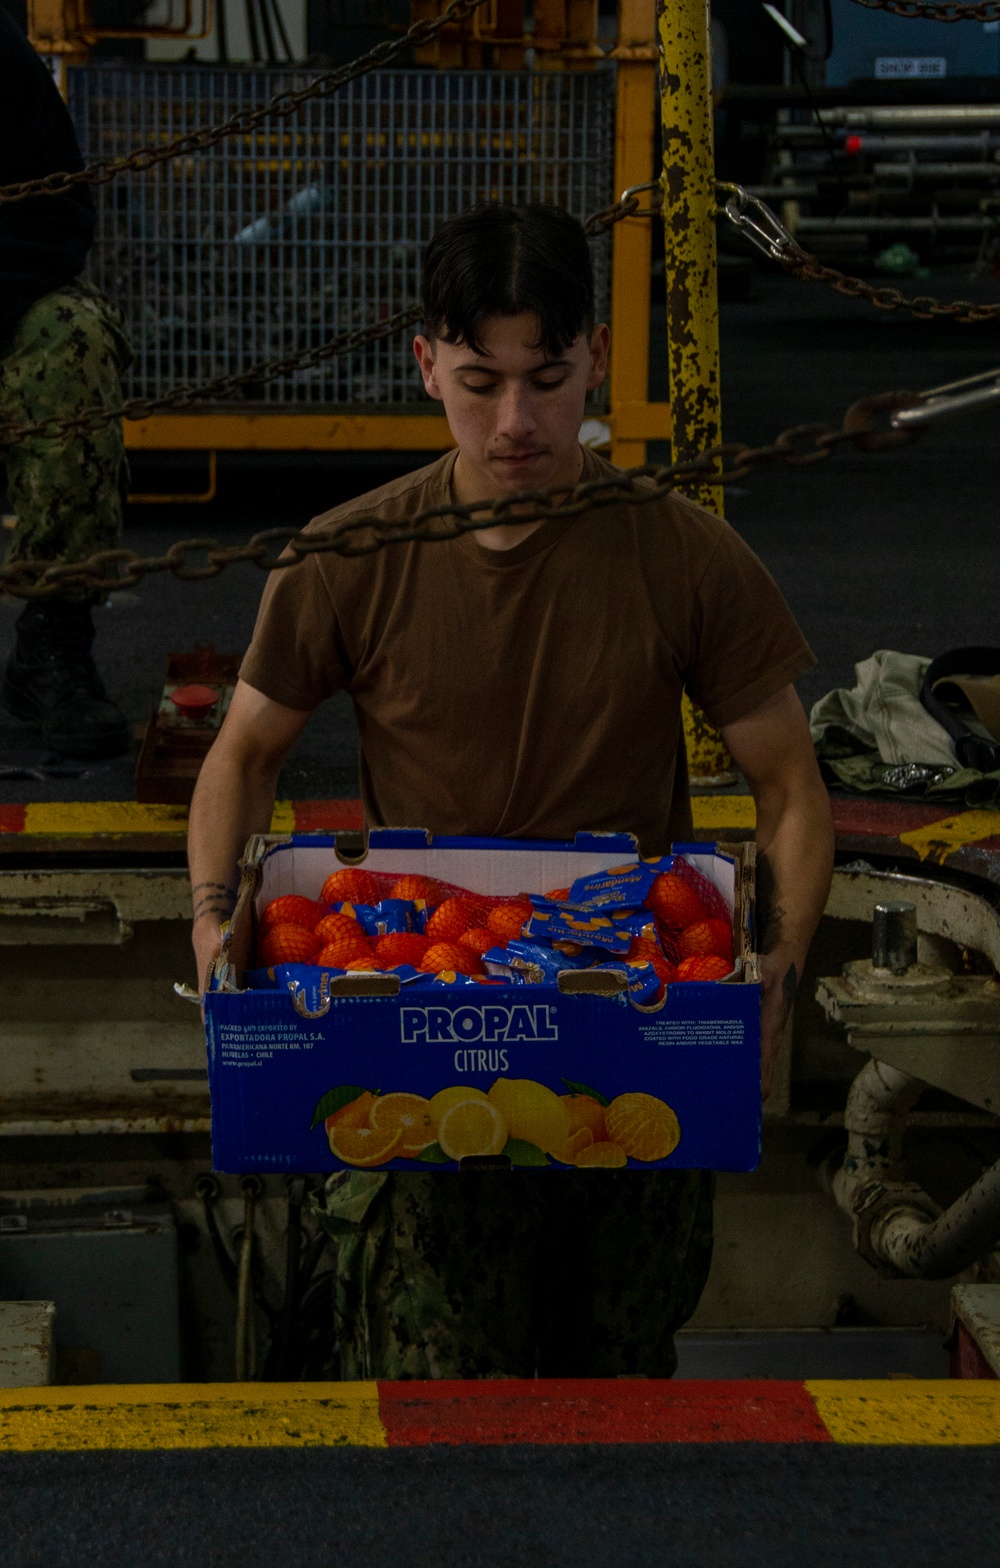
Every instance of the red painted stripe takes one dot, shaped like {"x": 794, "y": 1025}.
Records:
{"x": 981, "y": 846}
{"x": 595, "y": 1410}
{"x": 12, "y": 819}
{"x": 326, "y": 816}
{"x": 882, "y": 818}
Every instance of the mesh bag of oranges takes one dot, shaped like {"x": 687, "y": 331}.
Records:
{"x": 655, "y": 923}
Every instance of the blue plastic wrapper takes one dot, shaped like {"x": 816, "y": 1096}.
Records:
{"x": 613, "y": 931}
{"x": 539, "y": 965}
{"x": 390, "y": 915}
{"x": 497, "y": 964}
{"x": 644, "y": 984}
{"x": 623, "y": 887}
{"x": 310, "y": 977}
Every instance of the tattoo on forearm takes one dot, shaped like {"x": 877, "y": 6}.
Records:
{"x": 218, "y": 887}
{"x": 770, "y": 915}
{"x": 213, "y": 906}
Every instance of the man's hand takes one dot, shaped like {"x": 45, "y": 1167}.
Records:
{"x": 774, "y": 748}
{"x": 233, "y": 798}
{"x": 206, "y": 939}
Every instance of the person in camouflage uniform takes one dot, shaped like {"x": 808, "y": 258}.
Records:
{"x": 63, "y": 348}
{"x": 66, "y": 355}
{"x": 515, "y": 1274}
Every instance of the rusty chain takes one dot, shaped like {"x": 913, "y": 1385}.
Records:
{"x": 924, "y": 306}
{"x": 109, "y": 571}
{"x": 244, "y": 120}
{"x": 767, "y": 233}
{"x": 938, "y": 10}
{"x": 219, "y": 388}
{"x": 222, "y": 387}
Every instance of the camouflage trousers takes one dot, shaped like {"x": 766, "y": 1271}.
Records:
{"x": 515, "y": 1274}
{"x": 67, "y": 353}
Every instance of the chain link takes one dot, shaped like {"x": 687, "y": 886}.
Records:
{"x": 924, "y": 306}
{"x": 195, "y": 560}
{"x": 768, "y": 234}
{"x": 938, "y": 10}
{"x": 278, "y": 107}
{"x": 220, "y": 388}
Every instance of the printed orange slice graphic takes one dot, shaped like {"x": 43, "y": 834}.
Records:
{"x": 574, "y": 1145}
{"x": 406, "y": 1113}
{"x": 645, "y": 1127}
{"x": 355, "y": 1114}
{"x": 609, "y": 1155}
{"x": 363, "y": 1145}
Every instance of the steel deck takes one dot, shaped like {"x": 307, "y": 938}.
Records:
{"x": 579, "y": 1473}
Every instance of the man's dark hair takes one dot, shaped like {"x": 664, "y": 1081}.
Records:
{"x": 501, "y": 260}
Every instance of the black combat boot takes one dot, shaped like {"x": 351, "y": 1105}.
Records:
{"x": 51, "y": 681}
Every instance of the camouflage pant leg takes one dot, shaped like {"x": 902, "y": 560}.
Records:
{"x": 66, "y": 355}
{"x": 492, "y": 1274}
{"x": 434, "y": 1273}
{"x": 628, "y": 1256}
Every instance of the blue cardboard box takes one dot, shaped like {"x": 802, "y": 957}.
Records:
{"x": 684, "y": 1074}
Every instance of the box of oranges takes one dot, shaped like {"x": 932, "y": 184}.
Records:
{"x": 420, "y": 1003}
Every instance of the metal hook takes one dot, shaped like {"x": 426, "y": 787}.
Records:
{"x": 633, "y": 190}
{"x": 760, "y": 225}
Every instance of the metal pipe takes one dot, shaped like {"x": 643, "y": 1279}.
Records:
{"x": 957, "y": 397}
{"x": 904, "y": 141}
{"x": 896, "y": 1224}
{"x": 910, "y": 171}
{"x": 894, "y": 935}
{"x": 923, "y": 1248}
{"x": 875, "y": 1121}
{"x": 898, "y": 116}
{"x": 887, "y": 225}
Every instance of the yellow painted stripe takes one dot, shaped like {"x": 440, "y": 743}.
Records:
{"x": 88, "y": 817}
{"x": 283, "y": 819}
{"x": 185, "y": 1415}
{"x": 938, "y": 839}
{"x": 103, "y": 816}
{"x": 124, "y": 816}
{"x": 909, "y": 1411}
{"x": 723, "y": 811}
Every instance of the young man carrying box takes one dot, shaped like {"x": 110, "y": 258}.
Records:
{"x": 525, "y": 681}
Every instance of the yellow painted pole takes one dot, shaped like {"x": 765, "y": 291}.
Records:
{"x": 692, "y": 281}
{"x": 635, "y": 108}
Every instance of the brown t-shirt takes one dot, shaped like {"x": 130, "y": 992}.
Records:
{"x": 530, "y": 692}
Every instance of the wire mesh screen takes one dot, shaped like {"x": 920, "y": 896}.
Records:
{"x": 282, "y": 238}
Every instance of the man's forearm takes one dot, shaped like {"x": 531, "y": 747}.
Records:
{"x": 232, "y": 800}
{"x": 794, "y": 865}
